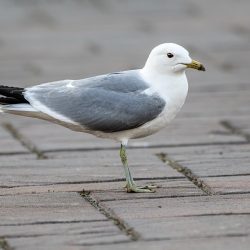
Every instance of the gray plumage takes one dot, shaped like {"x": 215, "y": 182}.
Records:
{"x": 107, "y": 103}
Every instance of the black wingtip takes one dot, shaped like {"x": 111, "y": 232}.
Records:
{"x": 12, "y": 93}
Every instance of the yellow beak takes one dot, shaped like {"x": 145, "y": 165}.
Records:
{"x": 196, "y": 65}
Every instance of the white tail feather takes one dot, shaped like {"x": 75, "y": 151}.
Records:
{"x": 18, "y": 107}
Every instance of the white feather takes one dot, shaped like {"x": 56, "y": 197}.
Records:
{"x": 17, "y": 107}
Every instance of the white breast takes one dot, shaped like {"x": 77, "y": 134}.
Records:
{"x": 173, "y": 89}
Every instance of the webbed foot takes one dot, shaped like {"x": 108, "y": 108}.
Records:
{"x": 132, "y": 188}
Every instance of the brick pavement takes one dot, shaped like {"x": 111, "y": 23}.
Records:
{"x": 62, "y": 190}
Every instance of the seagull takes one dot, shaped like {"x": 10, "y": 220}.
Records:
{"x": 120, "y": 106}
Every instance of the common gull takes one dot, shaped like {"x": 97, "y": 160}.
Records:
{"x": 121, "y": 106}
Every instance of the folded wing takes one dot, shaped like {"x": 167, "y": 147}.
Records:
{"x": 108, "y": 103}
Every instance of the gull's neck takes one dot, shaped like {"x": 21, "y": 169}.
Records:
{"x": 168, "y": 85}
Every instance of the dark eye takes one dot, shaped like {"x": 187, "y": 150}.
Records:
{"x": 170, "y": 55}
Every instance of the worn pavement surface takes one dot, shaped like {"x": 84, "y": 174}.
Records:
{"x": 63, "y": 190}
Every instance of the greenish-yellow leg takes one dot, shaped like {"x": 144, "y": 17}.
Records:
{"x": 130, "y": 184}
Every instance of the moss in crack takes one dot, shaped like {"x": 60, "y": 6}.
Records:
{"x": 186, "y": 172}
{"x": 26, "y": 143}
{"x": 234, "y": 130}
{"x": 110, "y": 215}
{"x": 4, "y": 244}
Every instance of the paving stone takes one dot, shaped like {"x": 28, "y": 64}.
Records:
{"x": 113, "y": 191}
{"x": 224, "y": 168}
{"x": 8, "y": 144}
{"x": 200, "y": 131}
{"x": 219, "y": 160}
{"x": 229, "y": 184}
{"x": 165, "y": 188}
{"x": 36, "y": 208}
{"x": 216, "y": 105}
{"x": 86, "y": 167}
{"x": 217, "y": 243}
{"x": 67, "y": 241}
{"x": 62, "y": 234}
{"x": 16, "y": 157}
{"x": 193, "y": 227}
{"x": 143, "y": 209}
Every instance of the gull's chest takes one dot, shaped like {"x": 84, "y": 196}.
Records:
{"x": 174, "y": 96}
{"x": 174, "y": 101}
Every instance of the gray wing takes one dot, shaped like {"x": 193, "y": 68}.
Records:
{"x": 107, "y": 103}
